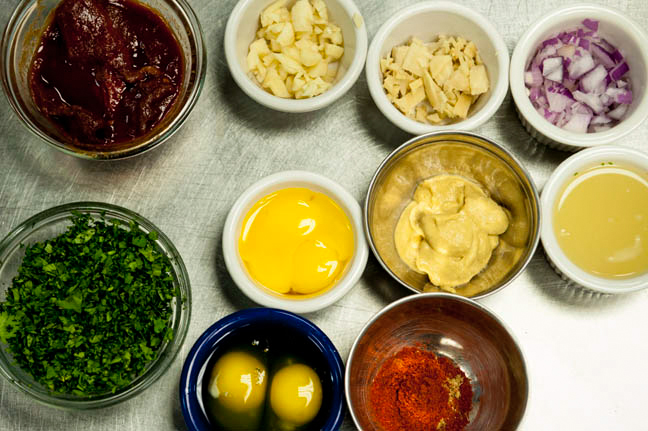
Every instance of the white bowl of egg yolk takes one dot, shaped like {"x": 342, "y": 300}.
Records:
{"x": 294, "y": 240}
{"x": 595, "y": 219}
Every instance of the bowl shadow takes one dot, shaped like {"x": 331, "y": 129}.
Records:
{"x": 226, "y": 285}
{"x": 567, "y": 292}
{"x": 385, "y": 134}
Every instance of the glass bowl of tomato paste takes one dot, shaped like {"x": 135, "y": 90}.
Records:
{"x": 436, "y": 361}
{"x": 102, "y": 79}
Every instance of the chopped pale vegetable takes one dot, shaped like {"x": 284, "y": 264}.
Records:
{"x": 297, "y": 51}
{"x": 434, "y": 82}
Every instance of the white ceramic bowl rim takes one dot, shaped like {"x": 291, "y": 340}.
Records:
{"x": 526, "y": 47}
{"x": 239, "y": 273}
{"x": 374, "y": 78}
{"x": 295, "y": 105}
{"x": 554, "y": 186}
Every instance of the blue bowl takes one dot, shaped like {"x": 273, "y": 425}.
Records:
{"x": 218, "y": 338}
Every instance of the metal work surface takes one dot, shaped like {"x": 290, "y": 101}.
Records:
{"x": 585, "y": 353}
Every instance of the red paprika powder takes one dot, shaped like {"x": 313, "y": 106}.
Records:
{"x": 415, "y": 390}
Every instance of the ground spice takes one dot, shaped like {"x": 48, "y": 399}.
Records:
{"x": 415, "y": 390}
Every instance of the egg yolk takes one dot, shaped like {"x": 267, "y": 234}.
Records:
{"x": 237, "y": 389}
{"x": 296, "y": 394}
{"x": 296, "y": 241}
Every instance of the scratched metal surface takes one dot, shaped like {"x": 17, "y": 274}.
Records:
{"x": 585, "y": 354}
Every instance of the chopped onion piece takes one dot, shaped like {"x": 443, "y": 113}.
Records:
{"x": 566, "y": 51}
{"x": 591, "y": 24}
{"x": 533, "y": 78}
{"x": 591, "y": 82}
{"x": 618, "y": 71}
{"x": 600, "y": 119}
{"x": 590, "y": 99}
{"x": 602, "y": 56}
{"x": 578, "y": 81}
{"x": 578, "y": 123}
{"x": 618, "y": 112}
{"x": 581, "y": 64}
{"x": 559, "y": 97}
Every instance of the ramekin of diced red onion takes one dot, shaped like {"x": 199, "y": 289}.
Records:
{"x": 578, "y": 77}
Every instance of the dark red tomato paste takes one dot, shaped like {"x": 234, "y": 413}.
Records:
{"x": 106, "y": 71}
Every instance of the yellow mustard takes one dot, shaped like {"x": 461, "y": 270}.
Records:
{"x": 296, "y": 241}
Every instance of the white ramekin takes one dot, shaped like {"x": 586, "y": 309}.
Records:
{"x": 619, "y": 30}
{"x": 426, "y": 21}
{"x": 240, "y": 32}
{"x": 552, "y": 191}
{"x": 265, "y": 186}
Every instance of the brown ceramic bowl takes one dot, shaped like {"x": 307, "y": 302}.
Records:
{"x": 451, "y": 326}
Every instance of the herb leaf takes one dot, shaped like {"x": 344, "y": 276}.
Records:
{"x": 91, "y": 308}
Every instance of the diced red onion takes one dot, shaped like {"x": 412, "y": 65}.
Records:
{"x": 581, "y": 64}
{"x": 566, "y": 51}
{"x": 602, "y": 56}
{"x": 552, "y": 41}
{"x": 600, "y": 127}
{"x": 590, "y": 99}
{"x": 559, "y": 97}
{"x": 578, "y": 123}
{"x": 592, "y": 81}
{"x": 577, "y": 80}
{"x": 618, "y": 71}
{"x": 535, "y": 93}
{"x": 600, "y": 119}
{"x": 591, "y": 24}
{"x": 618, "y": 112}
{"x": 619, "y": 95}
{"x": 552, "y": 68}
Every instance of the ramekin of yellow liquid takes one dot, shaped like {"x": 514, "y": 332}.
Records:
{"x": 595, "y": 219}
{"x": 294, "y": 240}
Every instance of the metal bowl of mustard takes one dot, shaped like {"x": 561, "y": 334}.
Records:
{"x": 454, "y": 329}
{"x": 484, "y": 166}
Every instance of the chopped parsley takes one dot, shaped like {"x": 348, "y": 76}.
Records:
{"x": 90, "y": 308}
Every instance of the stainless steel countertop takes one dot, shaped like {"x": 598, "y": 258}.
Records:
{"x": 585, "y": 353}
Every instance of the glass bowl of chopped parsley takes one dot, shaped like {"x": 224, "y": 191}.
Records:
{"x": 94, "y": 305}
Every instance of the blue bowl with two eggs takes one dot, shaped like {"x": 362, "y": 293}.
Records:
{"x": 284, "y": 328}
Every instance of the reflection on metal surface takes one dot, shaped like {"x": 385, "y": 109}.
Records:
{"x": 457, "y": 328}
{"x": 471, "y": 156}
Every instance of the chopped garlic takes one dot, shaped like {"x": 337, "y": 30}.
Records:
{"x": 434, "y": 82}
{"x": 297, "y": 51}
{"x": 358, "y": 20}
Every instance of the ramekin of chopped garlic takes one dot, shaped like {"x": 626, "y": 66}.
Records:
{"x": 437, "y": 66}
{"x": 295, "y": 55}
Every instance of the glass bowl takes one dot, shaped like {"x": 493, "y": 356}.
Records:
{"x": 52, "y": 222}
{"x": 20, "y": 40}
{"x": 296, "y": 330}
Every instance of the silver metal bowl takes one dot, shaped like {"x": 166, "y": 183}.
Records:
{"x": 471, "y": 156}
{"x": 451, "y": 326}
